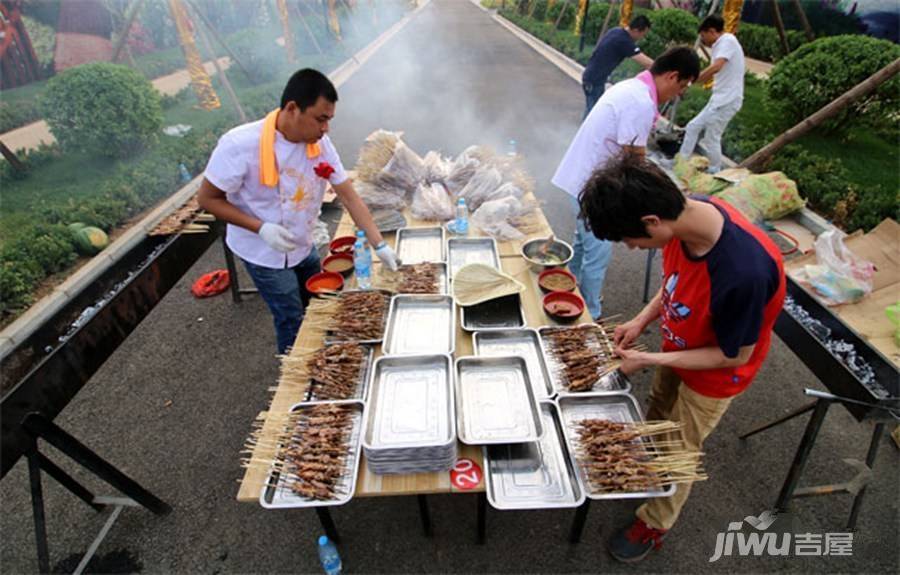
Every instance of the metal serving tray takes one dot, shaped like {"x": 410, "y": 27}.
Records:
{"x": 276, "y": 494}
{"x": 417, "y": 245}
{"x": 612, "y": 382}
{"x": 443, "y": 279}
{"x": 462, "y": 251}
{"x": 503, "y": 313}
{"x": 621, "y": 408}
{"x": 362, "y": 384}
{"x": 537, "y": 475}
{"x": 410, "y": 403}
{"x": 420, "y": 324}
{"x": 495, "y": 401}
{"x": 522, "y": 342}
{"x": 330, "y": 338}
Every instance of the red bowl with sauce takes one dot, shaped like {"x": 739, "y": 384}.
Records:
{"x": 556, "y": 279}
{"x": 563, "y": 306}
{"x": 342, "y": 245}
{"x": 325, "y": 282}
{"x": 340, "y": 263}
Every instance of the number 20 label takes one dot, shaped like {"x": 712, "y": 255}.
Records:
{"x": 466, "y": 474}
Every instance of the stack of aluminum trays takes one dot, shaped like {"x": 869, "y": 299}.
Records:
{"x": 410, "y": 417}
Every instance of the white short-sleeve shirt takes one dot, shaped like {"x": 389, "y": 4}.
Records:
{"x": 623, "y": 116}
{"x": 728, "y": 86}
{"x": 294, "y": 203}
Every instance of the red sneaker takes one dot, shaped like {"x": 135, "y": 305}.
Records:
{"x": 633, "y": 543}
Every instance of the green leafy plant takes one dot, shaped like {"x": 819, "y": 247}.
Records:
{"x": 102, "y": 108}
{"x": 763, "y": 43}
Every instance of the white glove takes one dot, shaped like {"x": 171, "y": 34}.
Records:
{"x": 387, "y": 256}
{"x": 278, "y": 238}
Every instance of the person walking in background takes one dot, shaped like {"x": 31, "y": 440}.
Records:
{"x": 727, "y": 70}
{"x": 611, "y": 49}
{"x": 621, "y": 120}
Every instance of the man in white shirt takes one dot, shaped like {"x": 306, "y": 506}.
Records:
{"x": 621, "y": 120}
{"x": 727, "y": 69}
{"x": 267, "y": 180}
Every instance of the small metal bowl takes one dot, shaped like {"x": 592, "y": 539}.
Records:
{"x": 558, "y": 248}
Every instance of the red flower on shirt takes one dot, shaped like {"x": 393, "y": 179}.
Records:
{"x": 324, "y": 170}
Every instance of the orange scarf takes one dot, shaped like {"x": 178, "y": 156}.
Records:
{"x": 268, "y": 166}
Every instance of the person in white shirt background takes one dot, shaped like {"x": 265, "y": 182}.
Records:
{"x": 727, "y": 71}
{"x": 267, "y": 179}
{"x": 620, "y": 121}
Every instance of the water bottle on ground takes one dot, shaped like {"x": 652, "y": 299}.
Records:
{"x": 328, "y": 556}
{"x": 183, "y": 173}
{"x": 362, "y": 264}
{"x": 511, "y": 149}
{"x": 461, "y": 224}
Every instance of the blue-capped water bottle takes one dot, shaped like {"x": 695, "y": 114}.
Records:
{"x": 511, "y": 148}
{"x": 361, "y": 235}
{"x": 183, "y": 173}
{"x": 328, "y": 556}
{"x": 362, "y": 264}
{"x": 461, "y": 224}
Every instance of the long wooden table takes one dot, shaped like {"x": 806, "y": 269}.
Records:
{"x": 369, "y": 484}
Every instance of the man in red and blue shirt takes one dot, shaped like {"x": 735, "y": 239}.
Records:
{"x": 723, "y": 287}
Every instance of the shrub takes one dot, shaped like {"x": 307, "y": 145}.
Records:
{"x": 43, "y": 41}
{"x": 17, "y": 113}
{"x": 102, "y": 108}
{"x": 32, "y": 159}
{"x": 568, "y": 19}
{"x": 820, "y": 71}
{"x": 763, "y": 43}
{"x": 669, "y": 26}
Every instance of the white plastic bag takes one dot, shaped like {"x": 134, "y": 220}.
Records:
{"x": 321, "y": 237}
{"x": 436, "y": 168}
{"x": 376, "y": 196}
{"x": 404, "y": 170}
{"x": 480, "y": 187}
{"x": 461, "y": 171}
{"x": 432, "y": 202}
{"x": 498, "y": 218}
{"x": 840, "y": 276}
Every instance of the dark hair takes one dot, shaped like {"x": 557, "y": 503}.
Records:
{"x": 681, "y": 59}
{"x": 626, "y": 189}
{"x": 305, "y": 87}
{"x": 640, "y": 23}
{"x": 714, "y": 22}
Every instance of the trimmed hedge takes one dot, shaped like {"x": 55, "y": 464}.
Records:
{"x": 17, "y": 113}
{"x": 762, "y": 42}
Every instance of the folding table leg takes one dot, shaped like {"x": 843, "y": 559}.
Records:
{"x": 328, "y": 524}
{"x": 37, "y": 507}
{"x": 870, "y": 461}
{"x": 425, "y": 515}
{"x": 578, "y": 521}
{"x": 803, "y": 451}
{"x": 482, "y": 519}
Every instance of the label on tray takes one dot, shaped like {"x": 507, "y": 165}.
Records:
{"x": 466, "y": 474}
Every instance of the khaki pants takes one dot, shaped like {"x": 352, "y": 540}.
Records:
{"x": 671, "y": 399}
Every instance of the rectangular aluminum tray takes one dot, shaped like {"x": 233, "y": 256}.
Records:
{"x": 362, "y": 384}
{"x": 277, "y": 495}
{"x": 621, "y": 408}
{"x": 537, "y": 475}
{"x": 420, "y": 324}
{"x": 612, "y": 382}
{"x": 495, "y": 401}
{"x": 330, "y": 338}
{"x": 502, "y": 313}
{"x": 443, "y": 279}
{"x": 462, "y": 251}
{"x": 522, "y": 342}
{"x": 410, "y": 403}
{"x": 417, "y": 245}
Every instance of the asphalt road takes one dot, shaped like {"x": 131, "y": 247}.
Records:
{"x": 173, "y": 405}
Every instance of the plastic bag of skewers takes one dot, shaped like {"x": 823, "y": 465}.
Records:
{"x": 505, "y": 218}
{"x": 389, "y": 166}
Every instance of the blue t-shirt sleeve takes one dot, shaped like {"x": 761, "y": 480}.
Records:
{"x": 737, "y": 313}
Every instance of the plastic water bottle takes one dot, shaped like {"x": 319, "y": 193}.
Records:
{"x": 511, "y": 148}
{"x": 461, "y": 225}
{"x": 183, "y": 173}
{"x": 361, "y": 235}
{"x": 328, "y": 556}
{"x": 362, "y": 265}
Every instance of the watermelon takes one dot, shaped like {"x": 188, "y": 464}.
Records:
{"x": 76, "y": 226}
{"x": 88, "y": 239}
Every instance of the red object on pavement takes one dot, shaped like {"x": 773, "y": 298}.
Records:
{"x": 211, "y": 284}
{"x": 466, "y": 474}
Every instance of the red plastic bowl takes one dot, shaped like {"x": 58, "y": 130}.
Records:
{"x": 340, "y": 263}
{"x": 342, "y": 245}
{"x": 544, "y": 275}
{"x": 563, "y": 306}
{"x": 325, "y": 282}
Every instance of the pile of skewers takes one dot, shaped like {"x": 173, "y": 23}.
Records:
{"x": 582, "y": 355}
{"x": 311, "y": 451}
{"x": 350, "y": 316}
{"x": 188, "y": 219}
{"x": 421, "y": 278}
{"x": 333, "y": 372}
{"x": 616, "y": 457}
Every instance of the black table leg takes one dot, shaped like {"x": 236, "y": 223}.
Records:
{"x": 68, "y": 482}
{"x": 328, "y": 524}
{"x": 796, "y": 413}
{"x": 803, "y": 451}
{"x": 578, "y": 521}
{"x": 870, "y": 460}
{"x": 482, "y": 519}
{"x": 425, "y": 515}
{"x": 37, "y": 507}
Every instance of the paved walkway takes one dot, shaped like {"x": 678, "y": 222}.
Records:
{"x": 32, "y": 135}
